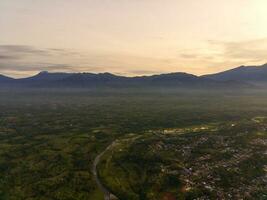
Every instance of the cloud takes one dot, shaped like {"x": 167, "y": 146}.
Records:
{"x": 189, "y": 55}
{"x": 21, "y": 49}
{"x": 244, "y": 51}
{"x": 36, "y": 67}
{"x": 26, "y": 69}
{"x": 8, "y": 57}
{"x": 215, "y": 55}
{"x": 142, "y": 72}
{"x": 20, "y": 59}
{"x": 212, "y": 56}
{"x": 18, "y": 51}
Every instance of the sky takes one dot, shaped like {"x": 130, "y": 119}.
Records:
{"x": 131, "y": 37}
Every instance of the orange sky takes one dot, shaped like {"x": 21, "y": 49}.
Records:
{"x": 131, "y": 37}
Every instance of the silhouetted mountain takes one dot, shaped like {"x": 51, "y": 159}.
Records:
{"x": 111, "y": 80}
{"x": 5, "y": 79}
{"x": 107, "y": 80}
{"x": 171, "y": 78}
{"x": 251, "y": 74}
{"x": 90, "y": 79}
{"x": 41, "y": 79}
{"x": 45, "y": 76}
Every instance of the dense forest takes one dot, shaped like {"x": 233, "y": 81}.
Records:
{"x": 167, "y": 144}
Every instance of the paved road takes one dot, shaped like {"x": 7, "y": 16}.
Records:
{"x": 107, "y": 194}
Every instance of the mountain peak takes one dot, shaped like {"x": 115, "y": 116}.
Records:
{"x": 43, "y": 72}
{"x": 243, "y": 73}
{"x": 5, "y": 78}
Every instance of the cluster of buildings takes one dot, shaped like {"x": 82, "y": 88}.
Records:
{"x": 211, "y": 164}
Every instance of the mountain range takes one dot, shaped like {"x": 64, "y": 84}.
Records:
{"x": 243, "y": 76}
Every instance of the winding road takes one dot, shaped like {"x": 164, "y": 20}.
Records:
{"x": 107, "y": 194}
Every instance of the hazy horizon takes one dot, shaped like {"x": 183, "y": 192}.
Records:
{"x": 124, "y": 75}
{"x": 131, "y": 38}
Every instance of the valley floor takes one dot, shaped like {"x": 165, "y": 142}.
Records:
{"x": 165, "y": 146}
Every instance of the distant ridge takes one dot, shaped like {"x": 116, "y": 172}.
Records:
{"x": 251, "y": 74}
{"x": 240, "y": 77}
{"x": 43, "y": 77}
{"x": 46, "y": 79}
{"x": 5, "y": 79}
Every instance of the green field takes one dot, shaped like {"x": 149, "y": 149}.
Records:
{"x": 169, "y": 145}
